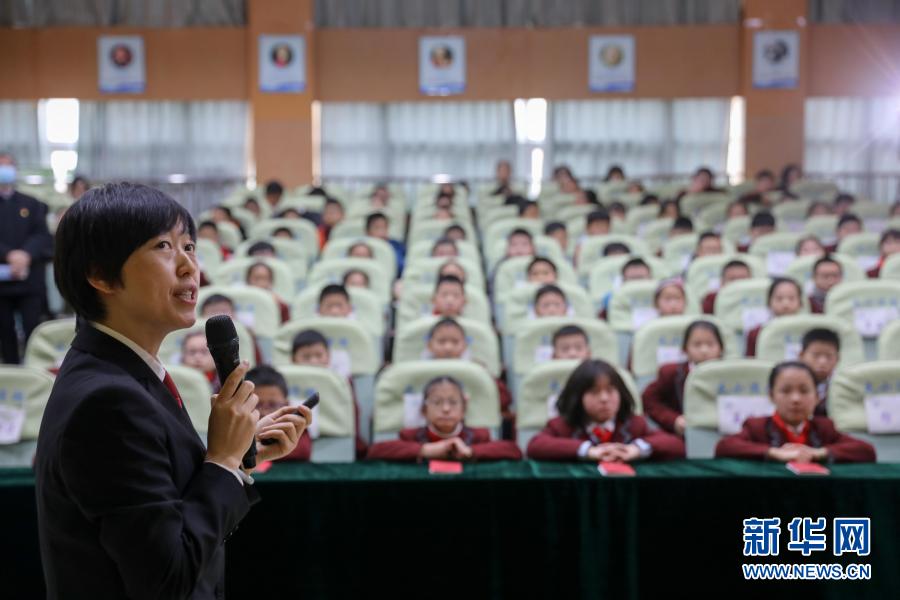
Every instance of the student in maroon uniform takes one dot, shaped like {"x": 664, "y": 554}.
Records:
{"x": 664, "y": 398}
{"x": 445, "y": 435}
{"x": 597, "y": 423}
{"x": 793, "y": 434}
{"x": 271, "y": 388}
{"x": 888, "y": 245}
{"x": 821, "y": 351}
{"x": 732, "y": 271}
{"x": 827, "y": 273}
{"x": 785, "y": 298}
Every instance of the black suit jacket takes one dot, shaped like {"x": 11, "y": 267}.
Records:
{"x": 23, "y": 226}
{"x": 127, "y": 507}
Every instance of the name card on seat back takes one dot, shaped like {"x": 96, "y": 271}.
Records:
{"x": 734, "y": 410}
{"x": 883, "y": 413}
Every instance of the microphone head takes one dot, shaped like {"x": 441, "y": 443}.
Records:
{"x": 220, "y": 331}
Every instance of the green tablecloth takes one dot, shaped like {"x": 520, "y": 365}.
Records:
{"x": 521, "y": 530}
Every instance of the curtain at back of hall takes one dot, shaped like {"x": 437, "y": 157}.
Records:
{"x": 147, "y": 140}
{"x": 856, "y": 143}
{"x": 415, "y": 139}
{"x": 19, "y": 132}
{"x": 645, "y": 137}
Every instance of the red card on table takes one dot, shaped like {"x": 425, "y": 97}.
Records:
{"x": 444, "y": 467}
{"x": 263, "y": 466}
{"x": 799, "y": 468}
{"x": 615, "y": 469}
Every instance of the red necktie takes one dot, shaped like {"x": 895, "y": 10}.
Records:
{"x": 789, "y": 435}
{"x": 170, "y": 385}
{"x": 602, "y": 434}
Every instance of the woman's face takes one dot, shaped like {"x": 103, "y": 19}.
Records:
{"x": 702, "y": 346}
{"x": 601, "y": 402}
{"x": 794, "y": 395}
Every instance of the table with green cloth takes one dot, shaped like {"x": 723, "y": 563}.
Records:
{"x": 521, "y": 530}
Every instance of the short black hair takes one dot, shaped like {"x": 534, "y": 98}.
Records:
{"x": 597, "y": 216}
{"x": 848, "y": 218}
{"x": 205, "y": 224}
{"x": 351, "y": 272}
{"x": 375, "y": 216}
{"x": 820, "y": 334}
{"x": 259, "y": 264}
{"x": 649, "y": 199}
{"x": 274, "y": 188}
{"x": 619, "y": 247}
{"x": 101, "y": 230}
{"x": 553, "y": 227}
{"x": 261, "y": 246}
{"x": 446, "y": 322}
{"x": 776, "y": 281}
{"x": 549, "y": 289}
{"x": 452, "y": 279}
{"x": 736, "y": 263}
{"x": 261, "y": 375}
{"x": 307, "y": 337}
{"x": 889, "y": 234}
{"x": 519, "y": 231}
{"x": 567, "y": 330}
{"x": 707, "y": 235}
{"x": 591, "y": 196}
{"x": 333, "y": 289}
{"x": 762, "y": 219}
{"x": 439, "y": 380}
{"x": 683, "y": 222}
{"x": 287, "y": 230}
{"x": 454, "y": 227}
{"x": 784, "y": 366}
{"x": 523, "y": 206}
{"x": 214, "y": 299}
{"x": 844, "y": 197}
{"x": 582, "y": 379}
{"x": 701, "y": 324}
{"x": 826, "y": 260}
{"x": 541, "y": 259}
{"x": 443, "y": 241}
{"x": 617, "y": 206}
{"x": 635, "y": 262}
{"x": 329, "y": 201}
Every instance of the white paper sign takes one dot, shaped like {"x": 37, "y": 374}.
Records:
{"x": 282, "y": 63}
{"x": 776, "y": 59}
{"x": 442, "y": 65}
{"x": 792, "y": 350}
{"x": 11, "y": 422}
{"x": 611, "y": 61}
{"x": 669, "y": 354}
{"x": 552, "y": 411}
{"x": 246, "y": 317}
{"x": 870, "y": 320}
{"x": 120, "y": 64}
{"x": 340, "y": 363}
{"x": 412, "y": 410}
{"x": 543, "y": 354}
{"x": 734, "y": 410}
{"x": 641, "y": 315}
{"x": 777, "y": 262}
{"x": 883, "y": 413}
{"x": 753, "y": 316}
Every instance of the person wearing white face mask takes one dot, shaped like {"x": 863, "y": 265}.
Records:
{"x": 25, "y": 247}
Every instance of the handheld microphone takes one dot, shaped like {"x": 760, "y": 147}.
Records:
{"x": 222, "y": 341}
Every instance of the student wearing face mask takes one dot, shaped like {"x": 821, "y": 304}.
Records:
{"x": 25, "y": 247}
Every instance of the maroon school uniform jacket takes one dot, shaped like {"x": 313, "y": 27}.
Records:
{"x": 406, "y": 449}
{"x": 709, "y": 303}
{"x": 816, "y": 306}
{"x": 760, "y": 433}
{"x": 560, "y": 441}
{"x": 664, "y": 398}
{"x": 751, "y": 341}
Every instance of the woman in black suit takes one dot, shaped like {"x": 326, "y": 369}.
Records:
{"x": 130, "y": 503}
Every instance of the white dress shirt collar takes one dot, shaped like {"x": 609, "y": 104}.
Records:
{"x": 152, "y": 361}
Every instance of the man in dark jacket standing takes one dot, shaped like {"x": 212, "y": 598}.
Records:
{"x": 25, "y": 247}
